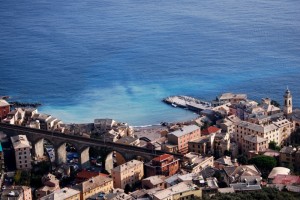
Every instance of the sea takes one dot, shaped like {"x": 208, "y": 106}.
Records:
{"x": 119, "y": 58}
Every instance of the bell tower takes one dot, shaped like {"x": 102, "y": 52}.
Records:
{"x": 288, "y": 104}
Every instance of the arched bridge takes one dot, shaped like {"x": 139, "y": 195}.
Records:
{"x": 82, "y": 144}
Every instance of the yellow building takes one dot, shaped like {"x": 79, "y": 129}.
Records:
{"x": 94, "y": 185}
{"x": 127, "y": 173}
{"x": 277, "y": 131}
{"x": 180, "y": 191}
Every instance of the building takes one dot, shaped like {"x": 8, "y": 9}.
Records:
{"x": 247, "y": 174}
{"x": 127, "y": 173}
{"x": 289, "y": 182}
{"x": 278, "y": 170}
{"x": 290, "y": 157}
{"x": 15, "y": 117}
{"x": 63, "y": 194}
{"x": 85, "y": 175}
{"x": 164, "y": 164}
{"x": 4, "y": 109}
{"x": 117, "y": 194}
{"x": 195, "y": 163}
{"x": 22, "y": 152}
{"x": 129, "y": 140}
{"x": 277, "y": 131}
{"x": 182, "y": 136}
{"x": 222, "y": 162}
{"x": 203, "y": 145}
{"x": 93, "y": 186}
{"x": 288, "y": 104}
{"x": 157, "y": 181}
{"x": 179, "y": 192}
{"x": 16, "y": 193}
{"x": 254, "y": 143}
{"x": 211, "y": 130}
{"x": 50, "y": 185}
{"x": 229, "y": 98}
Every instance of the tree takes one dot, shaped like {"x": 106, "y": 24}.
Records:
{"x": 264, "y": 163}
{"x": 242, "y": 159}
{"x": 275, "y": 103}
{"x": 273, "y": 145}
{"x": 127, "y": 188}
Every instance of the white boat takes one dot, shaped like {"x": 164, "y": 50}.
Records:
{"x": 174, "y": 105}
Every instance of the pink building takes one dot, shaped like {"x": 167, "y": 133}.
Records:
{"x": 182, "y": 136}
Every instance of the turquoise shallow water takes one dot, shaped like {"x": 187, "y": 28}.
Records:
{"x": 118, "y": 59}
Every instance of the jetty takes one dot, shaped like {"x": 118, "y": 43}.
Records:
{"x": 188, "y": 102}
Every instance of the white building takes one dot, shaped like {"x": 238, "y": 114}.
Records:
{"x": 22, "y": 152}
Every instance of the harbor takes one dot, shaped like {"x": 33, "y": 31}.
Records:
{"x": 187, "y": 102}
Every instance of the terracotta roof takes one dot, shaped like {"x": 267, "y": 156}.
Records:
{"x": 162, "y": 157}
{"x": 210, "y": 130}
{"x": 85, "y": 175}
{"x": 286, "y": 179}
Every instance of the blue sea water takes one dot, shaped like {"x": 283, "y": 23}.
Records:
{"x": 118, "y": 58}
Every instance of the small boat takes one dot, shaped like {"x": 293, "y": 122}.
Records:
{"x": 174, "y": 105}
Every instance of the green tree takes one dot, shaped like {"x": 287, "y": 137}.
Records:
{"x": 275, "y": 103}
{"x": 264, "y": 163}
{"x": 273, "y": 145}
{"x": 242, "y": 159}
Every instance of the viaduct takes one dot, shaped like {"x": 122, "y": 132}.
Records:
{"x": 59, "y": 140}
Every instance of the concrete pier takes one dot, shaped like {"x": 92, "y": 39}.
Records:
{"x": 188, "y": 102}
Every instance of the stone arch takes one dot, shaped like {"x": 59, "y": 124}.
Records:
{"x": 84, "y": 157}
{"x": 114, "y": 158}
{"x": 38, "y": 146}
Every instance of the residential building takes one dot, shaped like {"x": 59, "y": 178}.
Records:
{"x": 22, "y": 152}
{"x": 50, "y": 185}
{"x": 179, "y": 192}
{"x": 288, "y": 182}
{"x": 93, "y": 186}
{"x": 182, "y": 136}
{"x": 63, "y": 194}
{"x": 278, "y": 170}
{"x": 15, "y": 117}
{"x": 254, "y": 143}
{"x": 195, "y": 163}
{"x": 118, "y": 194}
{"x": 4, "y": 109}
{"x": 16, "y": 193}
{"x": 127, "y": 173}
{"x": 104, "y": 125}
{"x": 43, "y": 119}
{"x": 242, "y": 174}
{"x": 164, "y": 164}
{"x": 211, "y": 130}
{"x": 129, "y": 140}
{"x": 203, "y": 145}
{"x": 222, "y": 162}
{"x": 276, "y": 131}
{"x": 157, "y": 181}
{"x": 85, "y": 175}
{"x": 229, "y": 98}
{"x": 290, "y": 157}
